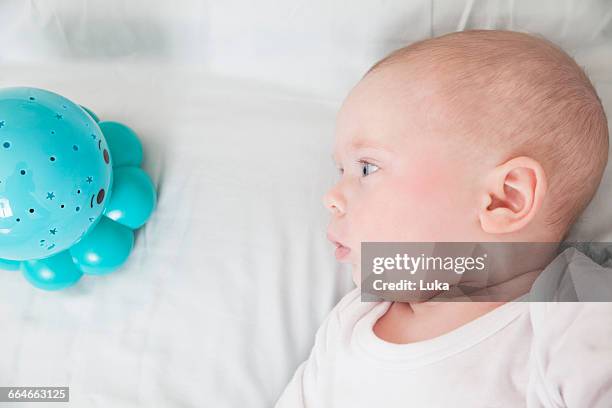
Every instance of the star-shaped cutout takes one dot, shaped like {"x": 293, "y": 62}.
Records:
{"x": 2, "y": 124}
{"x": 93, "y": 136}
{"x": 50, "y": 196}
{"x": 89, "y": 179}
{"x": 53, "y": 231}
{"x": 59, "y": 116}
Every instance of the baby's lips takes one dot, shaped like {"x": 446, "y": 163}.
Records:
{"x": 342, "y": 251}
{"x": 333, "y": 240}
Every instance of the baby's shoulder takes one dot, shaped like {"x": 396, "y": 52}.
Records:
{"x": 571, "y": 352}
{"x": 570, "y": 322}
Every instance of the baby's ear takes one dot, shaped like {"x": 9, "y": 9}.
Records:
{"x": 514, "y": 193}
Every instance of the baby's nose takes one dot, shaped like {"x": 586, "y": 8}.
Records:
{"x": 334, "y": 202}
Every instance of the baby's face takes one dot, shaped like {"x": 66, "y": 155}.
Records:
{"x": 401, "y": 179}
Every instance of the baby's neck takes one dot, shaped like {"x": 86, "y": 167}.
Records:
{"x": 408, "y": 323}
{"x": 411, "y": 322}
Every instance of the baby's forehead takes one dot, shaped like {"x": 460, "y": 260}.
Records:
{"x": 362, "y": 143}
{"x": 394, "y": 102}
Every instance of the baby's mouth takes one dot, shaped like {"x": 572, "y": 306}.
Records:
{"x": 342, "y": 251}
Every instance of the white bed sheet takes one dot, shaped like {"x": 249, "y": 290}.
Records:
{"x": 231, "y": 276}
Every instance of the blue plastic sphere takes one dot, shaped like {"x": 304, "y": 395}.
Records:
{"x": 53, "y": 273}
{"x": 55, "y": 173}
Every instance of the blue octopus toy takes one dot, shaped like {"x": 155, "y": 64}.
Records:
{"x": 71, "y": 189}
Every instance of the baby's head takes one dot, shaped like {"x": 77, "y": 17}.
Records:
{"x": 475, "y": 136}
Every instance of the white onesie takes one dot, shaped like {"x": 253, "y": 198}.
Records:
{"x": 520, "y": 354}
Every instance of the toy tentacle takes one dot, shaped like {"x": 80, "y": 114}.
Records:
{"x": 9, "y": 265}
{"x": 104, "y": 249}
{"x": 53, "y": 273}
{"x": 133, "y": 197}
{"x": 125, "y": 147}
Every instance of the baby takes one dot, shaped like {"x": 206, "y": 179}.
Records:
{"x": 475, "y": 136}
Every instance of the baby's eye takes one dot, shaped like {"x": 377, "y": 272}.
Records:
{"x": 367, "y": 168}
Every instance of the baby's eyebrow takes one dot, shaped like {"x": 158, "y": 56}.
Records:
{"x": 371, "y": 146}
{"x": 361, "y": 143}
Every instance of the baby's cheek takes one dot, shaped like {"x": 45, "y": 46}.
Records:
{"x": 431, "y": 178}
{"x": 417, "y": 206}
{"x": 384, "y": 212}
